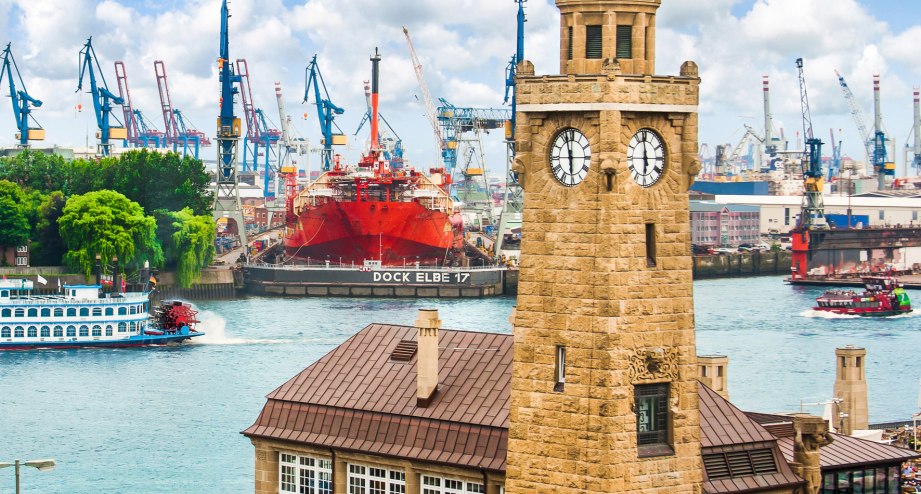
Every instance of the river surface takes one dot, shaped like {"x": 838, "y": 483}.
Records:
{"x": 167, "y": 420}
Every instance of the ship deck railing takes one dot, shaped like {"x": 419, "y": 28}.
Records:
{"x": 44, "y": 299}
{"x": 321, "y": 266}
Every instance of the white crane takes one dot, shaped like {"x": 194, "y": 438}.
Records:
{"x": 427, "y": 98}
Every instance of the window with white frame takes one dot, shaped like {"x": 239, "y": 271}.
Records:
{"x": 365, "y": 479}
{"x": 305, "y": 474}
{"x": 22, "y": 248}
{"x": 432, "y": 484}
{"x": 22, "y": 261}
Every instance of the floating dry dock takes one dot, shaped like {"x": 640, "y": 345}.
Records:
{"x": 470, "y": 282}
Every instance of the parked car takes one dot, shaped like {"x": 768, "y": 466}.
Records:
{"x": 700, "y": 250}
{"x": 725, "y": 250}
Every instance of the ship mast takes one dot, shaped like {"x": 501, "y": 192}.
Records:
{"x": 375, "y": 100}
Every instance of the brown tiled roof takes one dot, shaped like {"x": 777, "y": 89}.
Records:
{"x": 847, "y": 452}
{"x": 358, "y": 398}
{"x": 724, "y": 429}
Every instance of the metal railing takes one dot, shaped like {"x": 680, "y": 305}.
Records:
{"x": 323, "y": 265}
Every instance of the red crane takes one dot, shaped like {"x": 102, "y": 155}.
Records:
{"x": 139, "y": 133}
{"x": 178, "y": 130}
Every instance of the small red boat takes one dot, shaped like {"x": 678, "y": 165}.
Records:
{"x": 884, "y": 296}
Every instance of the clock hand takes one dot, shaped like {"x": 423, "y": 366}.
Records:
{"x": 645, "y": 159}
{"x": 571, "y": 168}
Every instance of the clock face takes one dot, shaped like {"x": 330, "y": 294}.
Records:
{"x": 646, "y": 157}
{"x": 570, "y": 156}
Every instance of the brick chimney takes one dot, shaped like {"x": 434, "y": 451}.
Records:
{"x": 427, "y": 362}
{"x": 810, "y": 434}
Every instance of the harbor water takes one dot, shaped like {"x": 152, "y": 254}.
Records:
{"x": 167, "y": 420}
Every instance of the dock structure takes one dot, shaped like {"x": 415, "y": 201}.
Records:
{"x": 410, "y": 281}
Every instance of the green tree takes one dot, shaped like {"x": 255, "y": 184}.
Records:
{"x": 14, "y": 224}
{"x": 189, "y": 243}
{"x": 35, "y": 171}
{"x": 47, "y": 247}
{"x": 108, "y": 224}
{"x": 163, "y": 181}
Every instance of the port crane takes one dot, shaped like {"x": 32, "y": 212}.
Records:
{"x": 326, "y": 113}
{"x": 179, "y": 132}
{"x": 874, "y": 142}
{"x": 429, "y": 104}
{"x": 227, "y": 187}
{"x": 140, "y": 132}
{"x": 834, "y": 167}
{"x": 103, "y": 99}
{"x": 813, "y": 210}
{"x": 22, "y": 102}
{"x": 258, "y": 133}
{"x": 288, "y": 148}
{"x": 513, "y": 196}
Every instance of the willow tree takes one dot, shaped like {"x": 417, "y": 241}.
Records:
{"x": 107, "y": 224}
{"x": 190, "y": 243}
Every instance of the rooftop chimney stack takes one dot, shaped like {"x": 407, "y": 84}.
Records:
{"x": 851, "y": 388}
{"x": 712, "y": 373}
{"x": 427, "y": 362}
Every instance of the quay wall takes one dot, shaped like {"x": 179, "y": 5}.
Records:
{"x": 742, "y": 264}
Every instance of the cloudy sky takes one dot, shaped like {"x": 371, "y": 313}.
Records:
{"x": 464, "y": 46}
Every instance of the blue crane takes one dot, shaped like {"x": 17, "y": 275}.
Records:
{"x": 458, "y": 121}
{"x": 512, "y": 69}
{"x": 326, "y": 112}
{"x": 813, "y": 210}
{"x": 21, "y": 102}
{"x": 102, "y": 99}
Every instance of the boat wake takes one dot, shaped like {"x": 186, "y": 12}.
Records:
{"x": 821, "y": 314}
{"x": 215, "y": 328}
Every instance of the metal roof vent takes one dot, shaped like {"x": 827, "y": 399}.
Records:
{"x": 404, "y": 351}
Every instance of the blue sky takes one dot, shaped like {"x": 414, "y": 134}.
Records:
{"x": 464, "y": 46}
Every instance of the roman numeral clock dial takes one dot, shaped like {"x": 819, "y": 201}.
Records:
{"x": 570, "y": 156}
{"x": 646, "y": 157}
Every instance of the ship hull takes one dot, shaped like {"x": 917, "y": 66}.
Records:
{"x": 852, "y": 253}
{"x": 132, "y": 341}
{"x": 395, "y": 233}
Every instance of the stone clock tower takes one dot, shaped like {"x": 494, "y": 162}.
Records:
{"x": 604, "y": 390}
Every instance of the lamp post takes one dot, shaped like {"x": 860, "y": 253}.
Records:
{"x": 41, "y": 465}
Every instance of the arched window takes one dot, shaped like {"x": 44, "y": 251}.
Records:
{"x": 122, "y": 327}
{"x": 6, "y": 313}
{"x": 122, "y": 311}
{"x": 33, "y": 332}
{"x": 109, "y": 311}
{"x": 132, "y": 310}
{"x": 108, "y": 330}
{"x": 71, "y": 331}
{"x": 84, "y": 330}
{"x": 71, "y": 312}
{"x": 20, "y": 313}
{"x": 58, "y": 332}
{"x": 46, "y": 332}
{"x": 97, "y": 330}
{"x": 33, "y": 312}
{"x": 97, "y": 311}
{"x": 59, "y": 312}
{"x": 19, "y": 332}
{"x": 5, "y": 332}
{"x": 46, "y": 312}
{"x": 84, "y": 312}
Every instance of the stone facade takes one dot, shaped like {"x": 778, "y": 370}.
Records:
{"x": 851, "y": 388}
{"x": 588, "y": 282}
{"x": 268, "y": 468}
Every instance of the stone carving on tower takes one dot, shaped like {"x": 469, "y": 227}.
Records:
{"x": 604, "y": 391}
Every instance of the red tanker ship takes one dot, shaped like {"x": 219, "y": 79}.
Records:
{"x": 371, "y": 212}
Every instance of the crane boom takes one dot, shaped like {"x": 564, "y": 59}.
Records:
{"x": 427, "y": 100}
{"x": 857, "y": 114}
{"x": 21, "y": 102}
{"x": 326, "y": 112}
{"x": 813, "y": 209}
{"x": 102, "y": 99}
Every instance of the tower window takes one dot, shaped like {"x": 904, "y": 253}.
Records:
{"x": 559, "y": 371}
{"x": 569, "y": 52}
{"x": 652, "y": 419}
{"x": 593, "y": 42}
{"x": 624, "y": 42}
{"x": 650, "y": 245}
{"x": 857, "y": 364}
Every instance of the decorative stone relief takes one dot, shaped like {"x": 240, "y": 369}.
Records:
{"x": 654, "y": 364}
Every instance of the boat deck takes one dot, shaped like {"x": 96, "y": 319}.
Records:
{"x": 911, "y": 281}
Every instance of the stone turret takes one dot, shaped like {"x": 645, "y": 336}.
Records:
{"x": 599, "y": 33}
{"x": 851, "y": 389}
